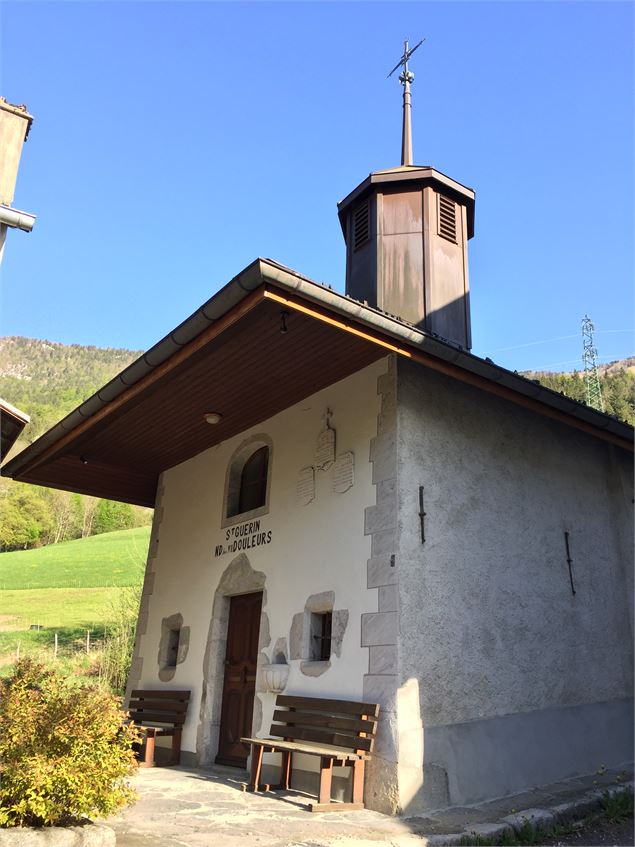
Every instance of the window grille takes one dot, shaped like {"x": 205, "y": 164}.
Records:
{"x": 174, "y": 637}
{"x": 321, "y": 626}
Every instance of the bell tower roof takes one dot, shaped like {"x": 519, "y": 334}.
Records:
{"x": 409, "y": 176}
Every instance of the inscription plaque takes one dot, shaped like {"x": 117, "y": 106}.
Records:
{"x": 344, "y": 472}
{"x": 325, "y": 450}
{"x": 305, "y": 486}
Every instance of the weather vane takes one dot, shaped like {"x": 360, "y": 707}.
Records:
{"x": 405, "y": 78}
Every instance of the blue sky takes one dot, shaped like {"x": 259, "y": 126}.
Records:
{"x": 175, "y": 142}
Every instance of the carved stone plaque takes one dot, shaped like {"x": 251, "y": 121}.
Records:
{"x": 325, "y": 449}
{"x": 344, "y": 472}
{"x": 305, "y": 486}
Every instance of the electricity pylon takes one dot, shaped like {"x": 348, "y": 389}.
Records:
{"x": 590, "y": 361}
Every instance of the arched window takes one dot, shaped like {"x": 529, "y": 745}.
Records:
{"x": 253, "y": 481}
{"x": 248, "y": 480}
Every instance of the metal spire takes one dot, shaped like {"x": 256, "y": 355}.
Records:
{"x": 589, "y": 358}
{"x": 405, "y": 78}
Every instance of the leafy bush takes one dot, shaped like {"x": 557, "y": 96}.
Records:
{"x": 64, "y": 750}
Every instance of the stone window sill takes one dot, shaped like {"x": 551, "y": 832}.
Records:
{"x": 245, "y": 516}
{"x": 314, "y": 668}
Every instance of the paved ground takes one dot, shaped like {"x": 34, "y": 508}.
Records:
{"x": 190, "y": 808}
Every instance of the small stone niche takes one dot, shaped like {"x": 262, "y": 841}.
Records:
{"x": 173, "y": 646}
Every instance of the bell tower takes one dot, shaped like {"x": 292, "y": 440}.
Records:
{"x": 406, "y": 231}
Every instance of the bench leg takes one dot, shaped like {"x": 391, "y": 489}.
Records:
{"x": 326, "y": 777}
{"x": 358, "y": 781}
{"x": 285, "y": 772}
{"x": 148, "y": 758}
{"x": 257, "y": 752}
{"x": 324, "y": 803}
{"x": 176, "y": 746}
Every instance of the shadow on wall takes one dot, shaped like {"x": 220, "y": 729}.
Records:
{"x": 450, "y": 321}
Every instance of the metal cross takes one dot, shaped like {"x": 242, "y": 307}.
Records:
{"x": 405, "y": 74}
{"x": 405, "y": 78}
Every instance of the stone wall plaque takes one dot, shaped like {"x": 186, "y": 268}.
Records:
{"x": 305, "y": 486}
{"x": 344, "y": 472}
{"x": 325, "y": 449}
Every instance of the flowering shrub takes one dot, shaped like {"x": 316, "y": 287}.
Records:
{"x": 64, "y": 750}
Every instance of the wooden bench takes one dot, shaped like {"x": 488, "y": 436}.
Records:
{"x": 157, "y": 713}
{"x": 340, "y": 732}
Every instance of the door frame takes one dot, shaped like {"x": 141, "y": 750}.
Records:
{"x": 238, "y": 578}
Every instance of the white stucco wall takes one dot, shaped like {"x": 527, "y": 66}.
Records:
{"x": 314, "y": 548}
{"x": 489, "y": 625}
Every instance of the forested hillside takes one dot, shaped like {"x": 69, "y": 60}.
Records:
{"x": 47, "y": 380}
{"x": 617, "y": 381}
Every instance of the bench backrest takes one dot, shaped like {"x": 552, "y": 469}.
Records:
{"x": 337, "y": 723}
{"x": 169, "y": 707}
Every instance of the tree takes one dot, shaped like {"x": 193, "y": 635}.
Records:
{"x": 89, "y": 509}
{"x": 66, "y": 512}
{"x": 25, "y": 519}
{"x": 110, "y": 516}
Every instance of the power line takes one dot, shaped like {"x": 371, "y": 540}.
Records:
{"x": 558, "y": 338}
{"x": 602, "y": 360}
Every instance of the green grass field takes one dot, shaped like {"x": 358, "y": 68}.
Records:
{"x": 101, "y": 561}
{"x": 67, "y": 589}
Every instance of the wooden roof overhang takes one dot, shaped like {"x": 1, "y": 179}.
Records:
{"x": 231, "y": 357}
{"x": 12, "y": 422}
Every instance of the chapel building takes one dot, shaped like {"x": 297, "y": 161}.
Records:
{"x": 349, "y": 504}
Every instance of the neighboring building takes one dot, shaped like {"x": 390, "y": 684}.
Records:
{"x": 15, "y": 123}
{"x": 343, "y": 491}
{"x": 12, "y": 422}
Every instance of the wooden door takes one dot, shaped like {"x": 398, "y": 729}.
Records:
{"x": 239, "y": 686}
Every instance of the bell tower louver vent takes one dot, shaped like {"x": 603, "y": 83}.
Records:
{"x": 361, "y": 225}
{"x": 447, "y": 218}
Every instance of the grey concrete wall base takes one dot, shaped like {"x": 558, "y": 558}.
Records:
{"x": 89, "y": 835}
{"x": 506, "y": 755}
{"x": 541, "y": 818}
